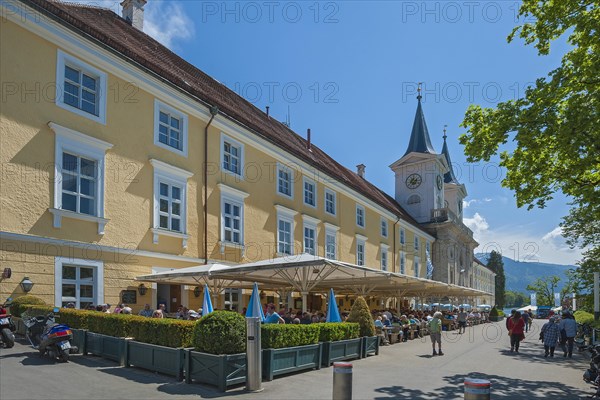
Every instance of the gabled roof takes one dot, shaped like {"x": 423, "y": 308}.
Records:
{"x": 420, "y": 142}
{"x": 112, "y": 32}
{"x": 449, "y": 176}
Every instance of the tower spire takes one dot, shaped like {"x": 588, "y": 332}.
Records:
{"x": 449, "y": 176}
{"x": 420, "y": 142}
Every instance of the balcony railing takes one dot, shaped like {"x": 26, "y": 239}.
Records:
{"x": 439, "y": 215}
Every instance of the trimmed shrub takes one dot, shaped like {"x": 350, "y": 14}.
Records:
{"x": 221, "y": 332}
{"x": 164, "y": 332}
{"x": 332, "y": 331}
{"x": 583, "y": 317}
{"x": 278, "y": 336}
{"x": 360, "y": 313}
{"x": 20, "y": 304}
{"x": 494, "y": 312}
{"x": 500, "y": 313}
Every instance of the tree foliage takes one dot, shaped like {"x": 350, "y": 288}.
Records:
{"x": 515, "y": 299}
{"x": 544, "y": 288}
{"x": 496, "y": 264}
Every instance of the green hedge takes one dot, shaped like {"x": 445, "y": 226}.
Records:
{"x": 221, "y": 332}
{"x": 277, "y": 336}
{"x": 160, "y": 331}
{"x": 332, "y": 331}
{"x": 20, "y": 304}
{"x": 583, "y": 317}
{"x": 361, "y": 314}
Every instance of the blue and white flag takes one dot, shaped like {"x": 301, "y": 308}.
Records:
{"x": 533, "y": 298}
{"x": 429, "y": 265}
{"x": 556, "y": 299}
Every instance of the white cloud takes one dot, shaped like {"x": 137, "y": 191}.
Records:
{"x": 467, "y": 203}
{"x": 477, "y": 224}
{"x": 556, "y": 239}
{"x": 167, "y": 30}
{"x": 487, "y": 200}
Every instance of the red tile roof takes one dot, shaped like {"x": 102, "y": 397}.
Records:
{"x": 113, "y": 32}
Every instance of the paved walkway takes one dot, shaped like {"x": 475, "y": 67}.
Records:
{"x": 401, "y": 371}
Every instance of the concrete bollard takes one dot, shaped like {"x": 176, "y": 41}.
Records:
{"x": 342, "y": 381}
{"x": 477, "y": 389}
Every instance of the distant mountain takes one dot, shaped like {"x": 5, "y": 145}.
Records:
{"x": 520, "y": 274}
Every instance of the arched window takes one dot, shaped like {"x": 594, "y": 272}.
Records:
{"x": 414, "y": 199}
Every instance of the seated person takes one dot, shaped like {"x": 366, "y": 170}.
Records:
{"x": 405, "y": 326}
{"x": 272, "y": 317}
{"x": 146, "y": 311}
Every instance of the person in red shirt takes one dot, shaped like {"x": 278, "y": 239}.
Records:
{"x": 516, "y": 326}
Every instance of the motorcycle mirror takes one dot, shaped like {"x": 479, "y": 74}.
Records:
{"x": 55, "y": 309}
{"x": 9, "y": 300}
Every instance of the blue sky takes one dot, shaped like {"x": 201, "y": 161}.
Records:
{"x": 348, "y": 70}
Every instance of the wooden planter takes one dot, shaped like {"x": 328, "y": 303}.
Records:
{"x": 105, "y": 346}
{"x": 221, "y": 371}
{"x": 290, "y": 359}
{"x": 166, "y": 360}
{"x": 341, "y": 350}
{"x": 370, "y": 346}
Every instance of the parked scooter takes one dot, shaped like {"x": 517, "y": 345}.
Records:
{"x": 7, "y": 326}
{"x": 48, "y": 337}
{"x": 592, "y": 374}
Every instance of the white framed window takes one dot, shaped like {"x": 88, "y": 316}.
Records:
{"x": 417, "y": 266}
{"x": 402, "y": 236}
{"x": 285, "y": 230}
{"x": 360, "y": 249}
{"x": 170, "y": 201}
{"x": 78, "y": 281}
{"x": 331, "y": 241}
{"x": 402, "y": 262}
{"x": 79, "y": 177}
{"x": 416, "y": 242}
{"x": 285, "y": 181}
{"x": 232, "y": 156}
{"x": 330, "y": 202}
{"x": 310, "y": 192}
{"x": 310, "y": 234}
{"x": 232, "y": 216}
{"x": 360, "y": 216}
{"x": 384, "y": 227}
{"x": 80, "y": 88}
{"x": 170, "y": 128}
{"x": 384, "y": 257}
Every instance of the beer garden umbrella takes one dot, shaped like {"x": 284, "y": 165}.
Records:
{"x": 333, "y": 314}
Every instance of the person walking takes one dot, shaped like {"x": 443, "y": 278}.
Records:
{"x": 462, "y": 321}
{"x": 516, "y": 326}
{"x": 550, "y": 333}
{"x": 569, "y": 325}
{"x": 435, "y": 332}
{"x": 525, "y": 316}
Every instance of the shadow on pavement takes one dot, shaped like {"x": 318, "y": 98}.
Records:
{"x": 501, "y": 387}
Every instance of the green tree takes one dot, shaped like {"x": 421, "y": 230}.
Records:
{"x": 515, "y": 299}
{"x": 496, "y": 264}
{"x": 554, "y": 130}
{"x": 544, "y": 288}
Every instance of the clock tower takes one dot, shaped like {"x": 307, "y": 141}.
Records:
{"x": 420, "y": 173}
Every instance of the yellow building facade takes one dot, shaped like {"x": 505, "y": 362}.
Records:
{"x": 103, "y": 179}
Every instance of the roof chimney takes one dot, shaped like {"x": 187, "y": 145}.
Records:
{"x": 308, "y": 144}
{"x": 133, "y": 12}
{"x": 360, "y": 170}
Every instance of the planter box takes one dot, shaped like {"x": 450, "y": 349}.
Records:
{"x": 221, "y": 371}
{"x": 497, "y": 319}
{"x": 106, "y": 346}
{"x": 290, "y": 359}
{"x": 21, "y": 328}
{"x": 166, "y": 360}
{"x": 341, "y": 350}
{"x": 79, "y": 339}
{"x": 370, "y": 346}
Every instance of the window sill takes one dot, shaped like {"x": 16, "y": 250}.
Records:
{"x": 237, "y": 177}
{"x": 238, "y": 246}
{"x": 60, "y": 214}
{"x": 156, "y": 232}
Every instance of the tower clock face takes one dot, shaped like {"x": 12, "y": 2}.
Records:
{"x": 439, "y": 182}
{"x": 413, "y": 181}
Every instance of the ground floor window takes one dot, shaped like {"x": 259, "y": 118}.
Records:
{"x": 79, "y": 282}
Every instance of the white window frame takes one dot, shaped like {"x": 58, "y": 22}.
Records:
{"x": 417, "y": 243}
{"x": 287, "y": 215}
{"x": 402, "y": 236}
{"x": 160, "y": 106}
{"x": 64, "y": 59}
{"x": 76, "y": 143}
{"x": 361, "y": 241}
{"x": 384, "y": 227}
{"x": 240, "y": 146}
{"x": 285, "y": 168}
{"x": 417, "y": 266}
{"x": 305, "y": 181}
{"x": 98, "y": 277}
{"x": 237, "y": 197}
{"x": 360, "y": 216}
{"x": 331, "y": 231}
{"x": 310, "y": 223}
{"x": 170, "y": 175}
{"x": 334, "y": 194}
{"x": 385, "y": 257}
{"x": 402, "y": 262}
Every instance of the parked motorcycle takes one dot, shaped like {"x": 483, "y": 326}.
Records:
{"x": 592, "y": 374}
{"x": 48, "y": 337}
{"x": 7, "y": 326}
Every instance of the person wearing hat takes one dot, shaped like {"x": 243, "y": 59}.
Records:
{"x": 569, "y": 326}
{"x": 550, "y": 333}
